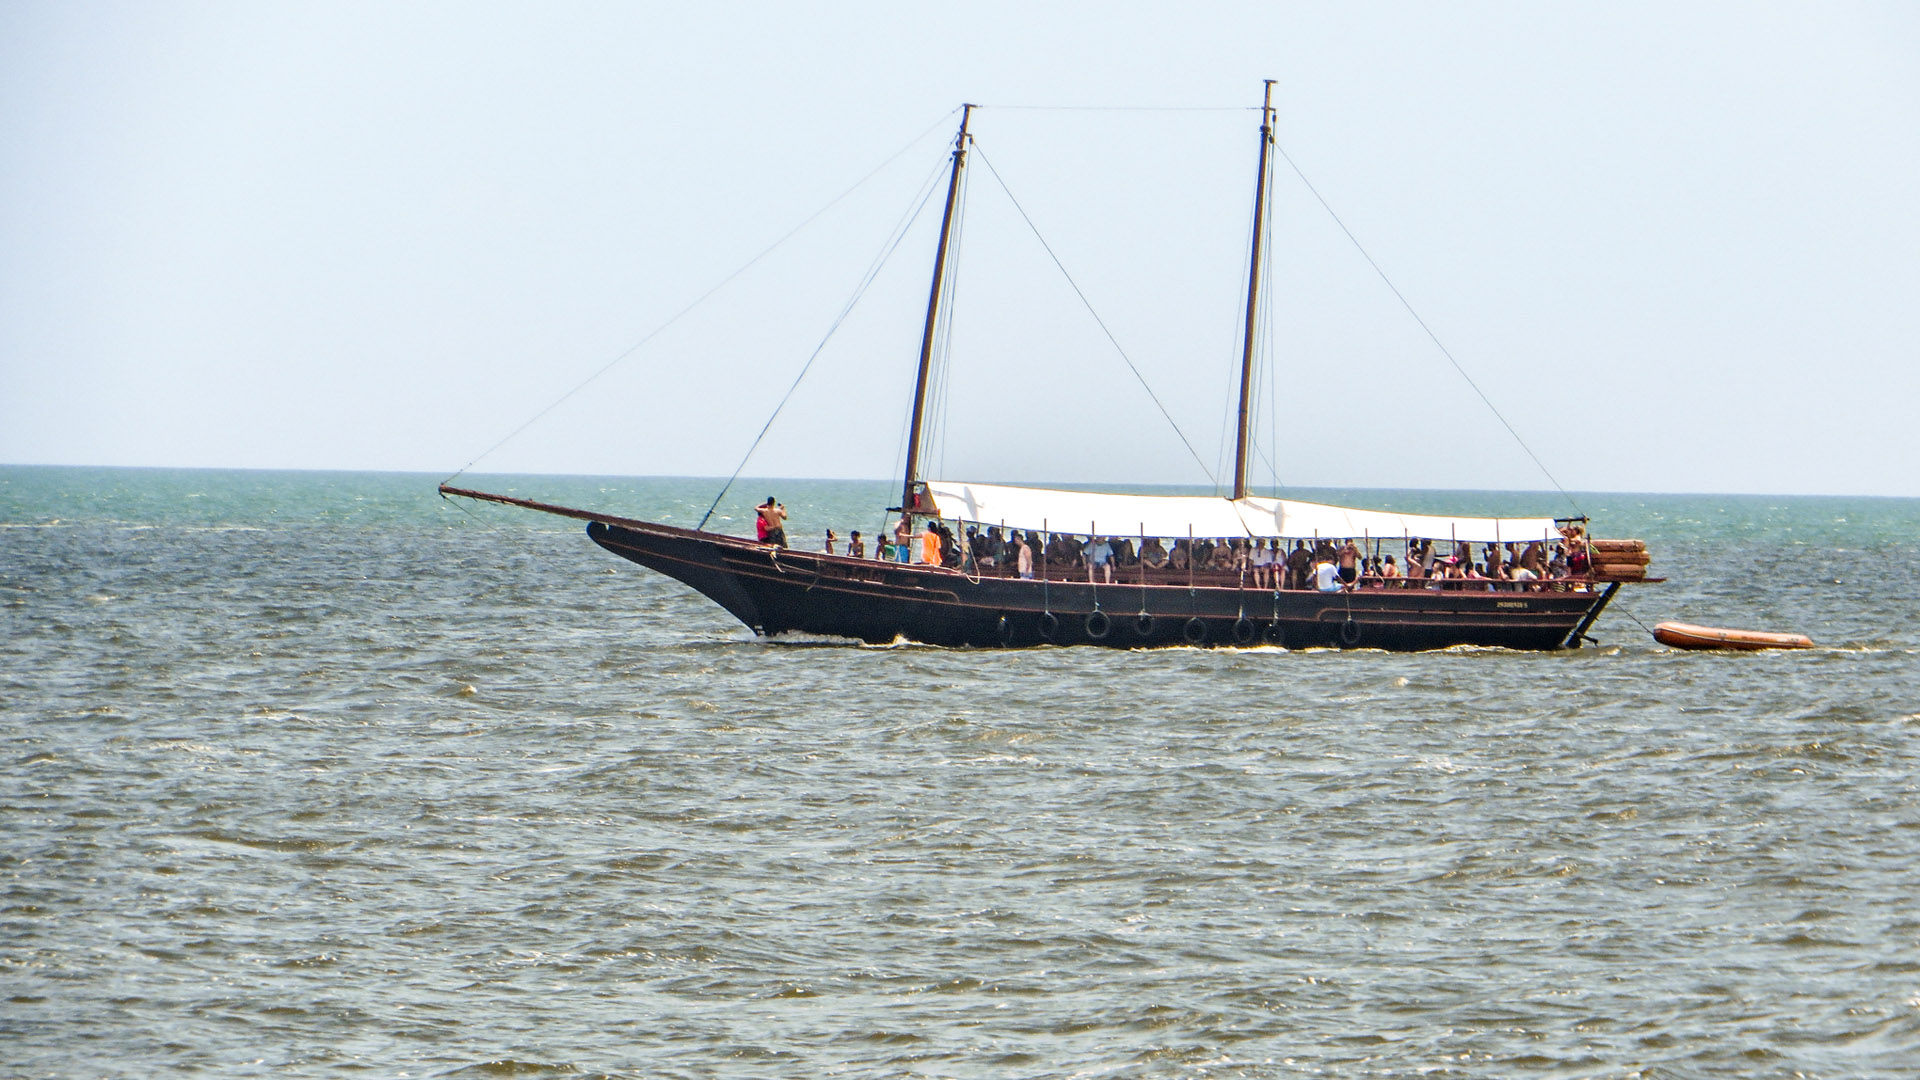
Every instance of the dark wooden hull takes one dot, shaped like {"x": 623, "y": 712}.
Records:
{"x": 774, "y": 590}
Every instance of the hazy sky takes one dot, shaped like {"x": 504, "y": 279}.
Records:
{"x": 1677, "y": 245}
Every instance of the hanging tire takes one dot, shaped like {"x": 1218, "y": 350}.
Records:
{"x": 1244, "y": 631}
{"x": 1274, "y": 635}
{"x": 1098, "y": 624}
{"x": 1143, "y": 625}
{"x": 1004, "y": 631}
{"x": 1195, "y": 631}
{"x": 1049, "y": 625}
{"x": 1349, "y": 633}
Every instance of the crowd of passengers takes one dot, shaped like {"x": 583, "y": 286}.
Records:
{"x": 1323, "y": 565}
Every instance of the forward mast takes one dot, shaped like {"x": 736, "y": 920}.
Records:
{"x": 1243, "y": 446}
{"x": 910, "y": 501}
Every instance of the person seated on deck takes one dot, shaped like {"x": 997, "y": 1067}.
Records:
{"x": 1326, "y": 576}
{"x": 1153, "y": 554}
{"x": 1260, "y": 562}
{"x": 1200, "y": 554}
{"x": 1219, "y": 556}
{"x": 1181, "y": 557}
{"x": 832, "y": 538}
{"x": 1388, "y": 570}
{"x": 903, "y": 538}
{"x": 1523, "y": 576}
{"x": 1494, "y": 561}
{"x": 856, "y": 547}
{"x": 1099, "y": 560}
{"x": 1123, "y": 553}
{"x": 1076, "y": 550}
{"x": 1557, "y": 566}
{"x": 987, "y": 549}
{"x": 1299, "y": 565}
{"x": 1222, "y": 556}
{"x": 1349, "y": 562}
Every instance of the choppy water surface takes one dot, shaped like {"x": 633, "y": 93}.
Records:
{"x": 316, "y": 775}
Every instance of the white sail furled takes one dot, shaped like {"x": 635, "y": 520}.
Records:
{"x": 1085, "y": 512}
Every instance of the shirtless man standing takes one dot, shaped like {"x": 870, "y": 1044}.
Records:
{"x": 774, "y": 517}
{"x": 1349, "y": 562}
{"x": 903, "y": 539}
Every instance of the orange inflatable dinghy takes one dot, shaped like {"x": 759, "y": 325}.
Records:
{"x": 1681, "y": 635}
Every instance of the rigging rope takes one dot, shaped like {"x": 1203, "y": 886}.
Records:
{"x": 891, "y": 244}
{"x": 1548, "y": 473}
{"x": 1230, "y": 390}
{"x": 1267, "y": 365}
{"x": 1629, "y": 614}
{"x": 1096, "y": 318}
{"x": 724, "y": 282}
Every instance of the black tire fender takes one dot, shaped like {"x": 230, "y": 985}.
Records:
{"x": 1049, "y": 625}
{"x": 1195, "y": 631}
{"x": 1098, "y": 624}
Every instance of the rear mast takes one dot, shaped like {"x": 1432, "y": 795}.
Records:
{"x": 1244, "y": 444}
{"x": 909, "y": 494}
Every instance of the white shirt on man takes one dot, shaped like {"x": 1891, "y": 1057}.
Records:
{"x": 1326, "y": 577}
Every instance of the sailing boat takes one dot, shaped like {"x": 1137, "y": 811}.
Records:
{"x": 963, "y": 601}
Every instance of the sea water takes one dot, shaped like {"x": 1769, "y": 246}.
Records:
{"x": 315, "y": 774}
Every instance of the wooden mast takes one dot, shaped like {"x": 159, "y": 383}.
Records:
{"x": 1244, "y": 446}
{"x": 909, "y": 500}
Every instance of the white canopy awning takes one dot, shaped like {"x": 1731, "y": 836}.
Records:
{"x": 1087, "y": 512}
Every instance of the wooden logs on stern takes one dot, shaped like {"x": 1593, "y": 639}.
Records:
{"x": 1619, "y": 560}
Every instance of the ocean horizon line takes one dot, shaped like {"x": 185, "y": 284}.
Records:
{"x": 1067, "y": 485}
